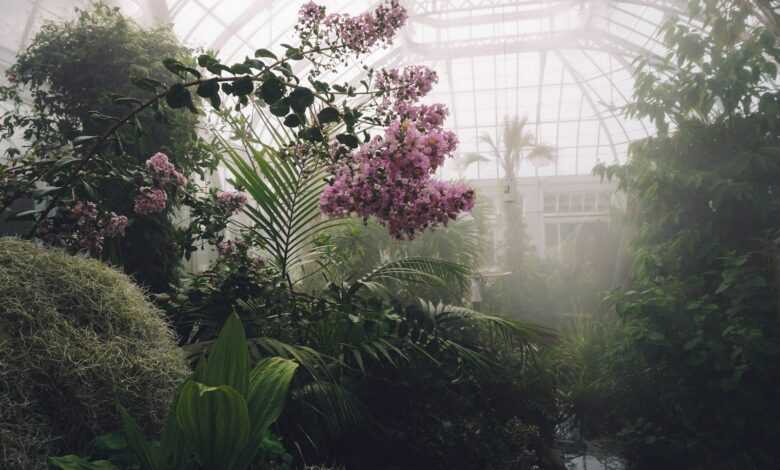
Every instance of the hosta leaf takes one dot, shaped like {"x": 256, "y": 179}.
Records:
{"x": 228, "y": 360}
{"x": 215, "y": 422}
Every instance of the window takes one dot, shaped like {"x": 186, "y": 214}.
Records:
{"x": 550, "y": 203}
{"x": 589, "y": 202}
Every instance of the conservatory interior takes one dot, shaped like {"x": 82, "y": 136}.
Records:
{"x": 389, "y": 234}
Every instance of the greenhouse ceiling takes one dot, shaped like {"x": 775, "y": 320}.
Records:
{"x": 563, "y": 64}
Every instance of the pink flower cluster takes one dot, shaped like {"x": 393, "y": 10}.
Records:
{"x": 150, "y": 201}
{"x": 359, "y": 33}
{"x": 404, "y": 86}
{"x": 231, "y": 201}
{"x": 163, "y": 171}
{"x": 81, "y": 228}
{"x": 390, "y": 177}
{"x": 153, "y": 200}
{"x": 87, "y": 231}
{"x": 116, "y": 226}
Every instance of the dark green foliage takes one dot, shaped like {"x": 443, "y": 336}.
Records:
{"x": 698, "y": 368}
{"x": 80, "y": 74}
{"x": 75, "y": 336}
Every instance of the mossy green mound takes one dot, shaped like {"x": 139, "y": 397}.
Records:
{"x": 76, "y": 337}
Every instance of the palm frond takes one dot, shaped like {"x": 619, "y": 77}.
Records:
{"x": 285, "y": 214}
{"x": 417, "y": 270}
{"x": 469, "y": 159}
{"x": 314, "y": 362}
{"x": 503, "y": 330}
{"x": 336, "y": 407}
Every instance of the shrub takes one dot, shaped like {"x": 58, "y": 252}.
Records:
{"x": 75, "y": 338}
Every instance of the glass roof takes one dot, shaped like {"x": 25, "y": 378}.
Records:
{"x": 563, "y": 64}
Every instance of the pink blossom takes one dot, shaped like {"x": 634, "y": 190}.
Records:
{"x": 401, "y": 87}
{"x": 116, "y": 226}
{"x": 311, "y": 12}
{"x": 150, "y": 201}
{"x": 163, "y": 171}
{"x": 358, "y": 34}
{"x": 231, "y": 201}
{"x": 390, "y": 177}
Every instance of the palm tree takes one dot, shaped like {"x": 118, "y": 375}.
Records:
{"x": 518, "y": 143}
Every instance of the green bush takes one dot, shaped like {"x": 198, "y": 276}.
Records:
{"x": 75, "y": 338}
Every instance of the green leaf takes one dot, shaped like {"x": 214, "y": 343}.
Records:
{"x": 313, "y": 134}
{"x": 147, "y": 84}
{"x": 322, "y": 87}
{"x": 179, "y": 96}
{"x": 74, "y": 462}
{"x": 173, "y": 448}
{"x": 329, "y": 114}
{"x": 292, "y": 120}
{"x": 265, "y": 53}
{"x": 128, "y": 101}
{"x": 210, "y": 89}
{"x": 349, "y": 140}
{"x": 176, "y": 67}
{"x": 294, "y": 53}
{"x": 268, "y": 387}
{"x": 228, "y": 362}
{"x": 110, "y": 442}
{"x": 215, "y": 421}
{"x": 83, "y": 138}
{"x": 172, "y": 65}
{"x": 300, "y": 99}
{"x": 280, "y": 108}
{"x": 204, "y": 60}
{"x": 272, "y": 90}
{"x": 136, "y": 440}
{"x": 239, "y": 69}
{"x": 254, "y": 63}
{"x": 243, "y": 86}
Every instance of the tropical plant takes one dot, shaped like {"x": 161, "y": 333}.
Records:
{"x": 701, "y": 308}
{"x": 518, "y": 144}
{"x": 221, "y": 417}
{"x": 285, "y": 188}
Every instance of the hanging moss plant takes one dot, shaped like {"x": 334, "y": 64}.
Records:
{"x": 76, "y": 337}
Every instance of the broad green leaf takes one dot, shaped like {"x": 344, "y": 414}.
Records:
{"x": 265, "y": 53}
{"x": 272, "y": 90}
{"x": 178, "y": 96}
{"x": 292, "y": 120}
{"x": 268, "y": 388}
{"x": 228, "y": 360}
{"x": 280, "y": 108}
{"x": 300, "y": 99}
{"x": 74, "y": 462}
{"x": 215, "y": 422}
{"x": 329, "y": 114}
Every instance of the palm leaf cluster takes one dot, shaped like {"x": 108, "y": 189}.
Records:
{"x": 352, "y": 325}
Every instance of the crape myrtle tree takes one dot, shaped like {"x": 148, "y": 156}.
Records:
{"x": 697, "y": 369}
{"x": 380, "y": 145}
